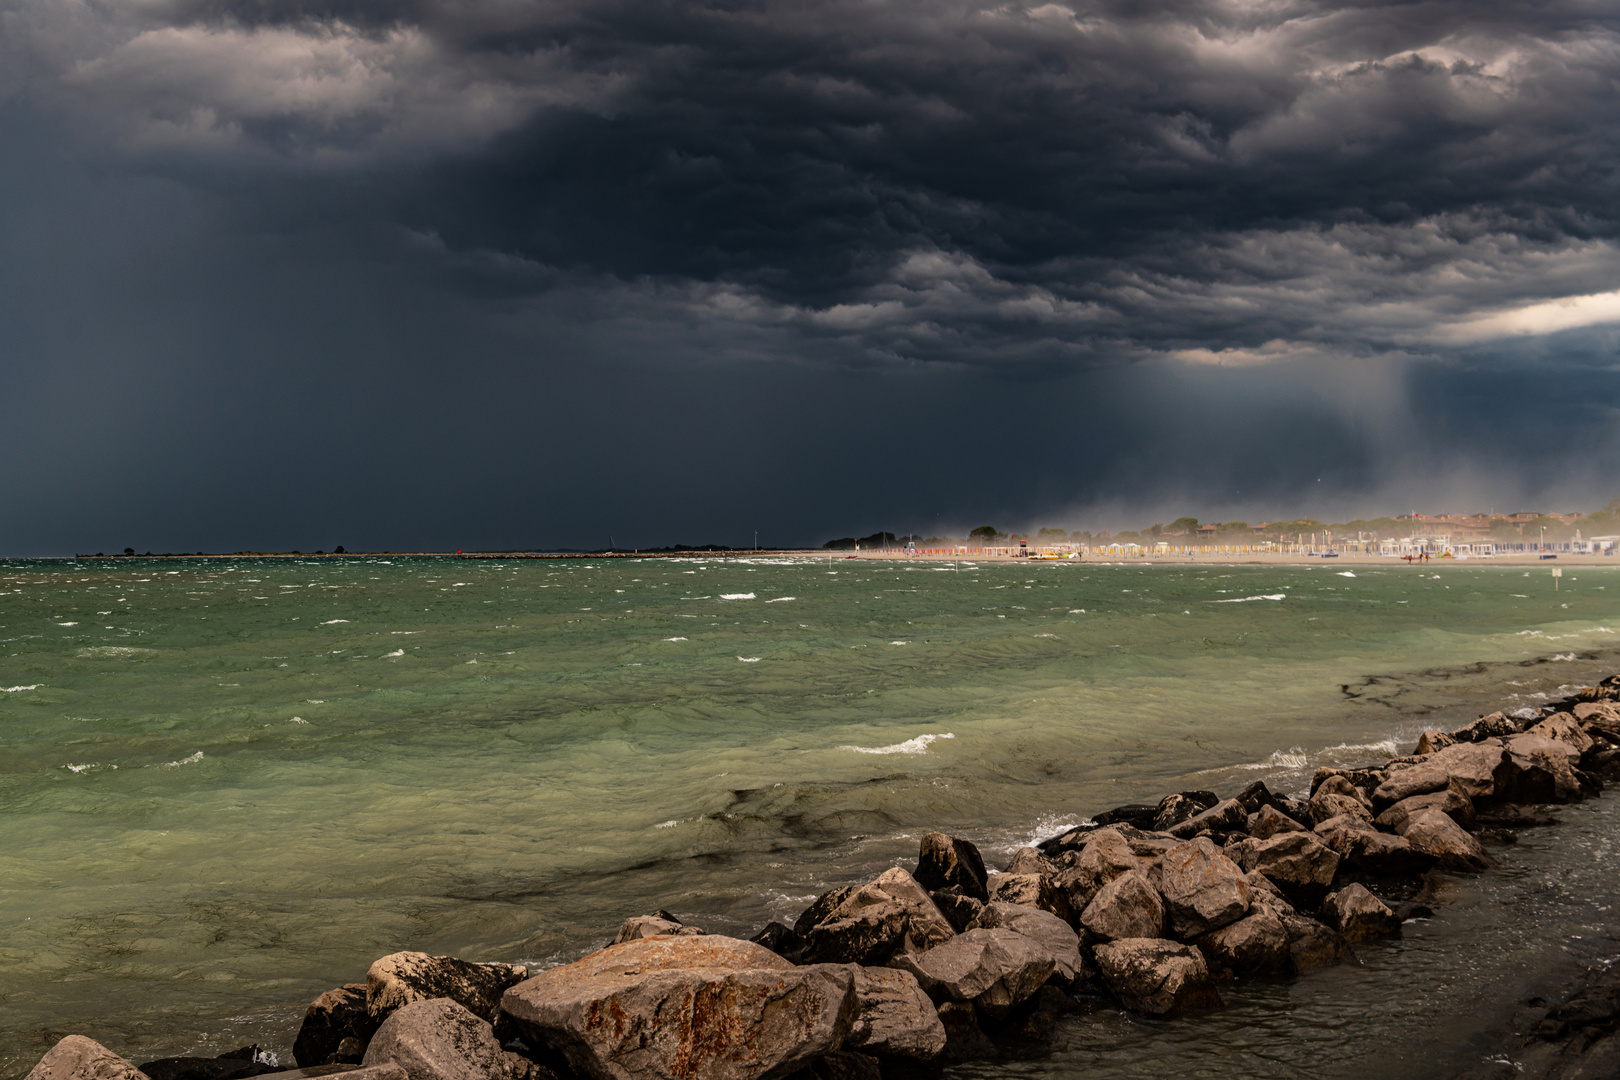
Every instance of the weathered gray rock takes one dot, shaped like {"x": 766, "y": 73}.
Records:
{"x": 438, "y": 1039}
{"x": 334, "y": 1016}
{"x": 685, "y": 1007}
{"x": 1157, "y": 977}
{"x": 79, "y": 1058}
{"x": 869, "y": 924}
{"x": 1297, "y": 863}
{"x": 1431, "y": 831}
{"x": 400, "y": 978}
{"x": 944, "y": 861}
{"x": 994, "y": 969}
{"x": 1268, "y": 821}
{"x": 1358, "y": 915}
{"x": 1202, "y": 888}
{"x": 1127, "y": 907}
{"x": 1542, "y": 770}
{"x": 1312, "y": 945}
{"x": 1045, "y": 929}
{"x": 659, "y": 923}
{"x": 1451, "y": 800}
{"x": 894, "y": 1017}
{"x": 1031, "y": 890}
{"x": 1223, "y": 817}
{"x": 1254, "y": 945}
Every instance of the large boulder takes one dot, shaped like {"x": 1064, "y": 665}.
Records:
{"x": 1081, "y": 874}
{"x": 1603, "y": 715}
{"x": 1369, "y": 853}
{"x": 1045, "y": 929}
{"x": 1255, "y": 944}
{"x": 1491, "y": 726}
{"x": 1431, "y": 741}
{"x": 1312, "y": 945}
{"x": 1297, "y": 863}
{"x": 1157, "y": 977}
{"x": 1432, "y": 832}
{"x": 1451, "y": 800}
{"x": 238, "y": 1064}
{"x": 1202, "y": 888}
{"x": 1223, "y": 817}
{"x": 894, "y": 1017}
{"x": 1479, "y": 769}
{"x": 1564, "y": 728}
{"x": 1334, "y": 796}
{"x": 1358, "y": 915}
{"x": 1543, "y": 770}
{"x": 79, "y": 1058}
{"x": 1028, "y": 860}
{"x": 1174, "y": 809}
{"x": 1268, "y": 821}
{"x": 400, "y": 978}
{"x": 1031, "y": 890}
{"x": 438, "y": 1039}
{"x": 944, "y": 861}
{"x": 994, "y": 969}
{"x": 685, "y": 1007}
{"x": 959, "y": 910}
{"x": 336, "y": 1015}
{"x": 654, "y": 925}
{"x": 869, "y": 924}
{"x": 1127, "y": 907}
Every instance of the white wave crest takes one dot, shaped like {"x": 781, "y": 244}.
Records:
{"x": 396, "y": 652}
{"x": 329, "y": 622}
{"x": 736, "y": 596}
{"x": 298, "y": 720}
{"x": 1292, "y": 758}
{"x": 780, "y": 599}
{"x": 1347, "y": 573}
{"x": 1246, "y": 599}
{"x": 88, "y": 766}
{"x": 1383, "y": 746}
{"x": 192, "y": 760}
{"x": 112, "y": 652}
{"x": 749, "y": 659}
{"x": 1562, "y": 656}
{"x": 919, "y": 745}
{"x": 674, "y": 639}
{"x": 670, "y": 824}
{"x": 18, "y": 689}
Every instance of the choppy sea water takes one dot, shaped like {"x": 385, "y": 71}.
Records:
{"x": 228, "y": 785}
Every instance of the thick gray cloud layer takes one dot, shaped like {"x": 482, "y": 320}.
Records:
{"x": 703, "y": 266}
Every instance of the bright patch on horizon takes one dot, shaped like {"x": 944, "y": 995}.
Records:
{"x": 1547, "y": 317}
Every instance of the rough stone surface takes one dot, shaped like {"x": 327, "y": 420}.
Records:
{"x": 1494, "y": 725}
{"x": 959, "y": 910}
{"x": 1045, "y": 929}
{"x": 1542, "y": 770}
{"x": 1431, "y": 741}
{"x": 1451, "y": 800}
{"x": 944, "y": 861}
{"x": 1223, "y": 817}
{"x": 1564, "y": 728}
{"x": 1254, "y": 945}
{"x": 1029, "y": 860}
{"x": 1031, "y": 890}
{"x": 1479, "y": 769}
{"x": 79, "y": 1058}
{"x": 1127, "y": 907}
{"x": 1604, "y": 715}
{"x": 1327, "y": 804}
{"x": 1081, "y": 874}
{"x": 1312, "y": 945}
{"x": 1432, "y": 832}
{"x": 869, "y": 924}
{"x": 965, "y": 1040}
{"x": 1157, "y": 977}
{"x": 1296, "y": 863}
{"x": 1174, "y": 809}
{"x": 1377, "y": 854}
{"x": 894, "y": 1017}
{"x": 994, "y": 969}
{"x": 841, "y": 1065}
{"x": 334, "y": 1016}
{"x": 1359, "y": 916}
{"x": 686, "y": 1008}
{"x": 1202, "y": 888}
{"x": 438, "y": 1039}
{"x": 238, "y": 1064}
{"x": 1268, "y": 821}
{"x": 403, "y": 977}
{"x": 659, "y": 923}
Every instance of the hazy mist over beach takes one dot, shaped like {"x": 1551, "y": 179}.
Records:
{"x": 434, "y": 275}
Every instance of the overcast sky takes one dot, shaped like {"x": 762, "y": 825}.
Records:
{"x": 485, "y": 273}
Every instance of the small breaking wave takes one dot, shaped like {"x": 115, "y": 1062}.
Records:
{"x": 192, "y": 760}
{"x": 1292, "y": 758}
{"x": 1347, "y": 573}
{"x": 329, "y": 622}
{"x": 674, "y": 639}
{"x": 396, "y": 652}
{"x": 89, "y": 766}
{"x": 736, "y": 596}
{"x": 749, "y": 659}
{"x": 919, "y": 745}
{"x": 1246, "y": 599}
{"x": 19, "y": 689}
{"x": 780, "y": 599}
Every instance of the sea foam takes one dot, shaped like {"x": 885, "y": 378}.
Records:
{"x": 919, "y": 745}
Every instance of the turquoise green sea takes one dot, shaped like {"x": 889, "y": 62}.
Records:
{"x": 229, "y": 784}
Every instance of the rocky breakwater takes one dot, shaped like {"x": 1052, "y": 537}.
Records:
{"x": 1150, "y": 908}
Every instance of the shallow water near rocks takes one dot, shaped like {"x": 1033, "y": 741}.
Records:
{"x": 228, "y": 785}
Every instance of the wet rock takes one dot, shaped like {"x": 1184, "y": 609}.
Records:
{"x": 1336, "y": 798}
{"x": 1542, "y": 770}
{"x": 236, "y": 1065}
{"x": 1157, "y": 977}
{"x": 1312, "y": 945}
{"x": 1359, "y": 916}
{"x": 330, "y": 1019}
{"x": 1256, "y": 944}
{"x": 1604, "y": 762}
{"x": 1451, "y": 801}
{"x": 1031, "y": 890}
{"x": 1223, "y": 817}
{"x": 79, "y": 1058}
{"x": 1202, "y": 888}
{"x": 965, "y": 1039}
{"x": 1263, "y": 893}
{"x": 959, "y": 910}
{"x": 1373, "y": 854}
{"x": 710, "y": 1006}
{"x": 400, "y": 978}
{"x": 994, "y": 969}
{"x": 1136, "y": 815}
{"x": 1045, "y": 929}
{"x": 1479, "y": 768}
{"x": 780, "y": 939}
{"x": 1604, "y": 715}
{"x": 1127, "y": 907}
{"x": 1028, "y": 860}
{"x": 1297, "y": 863}
{"x": 869, "y": 924}
{"x": 1353, "y": 822}
{"x": 438, "y": 1039}
{"x": 1268, "y": 821}
{"x": 1432, "y": 832}
{"x": 1430, "y": 741}
{"x": 1080, "y": 875}
{"x": 841, "y": 1065}
{"x": 654, "y": 925}
{"x": 1257, "y": 795}
{"x": 1174, "y": 809}
{"x": 1564, "y": 728}
{"x": 1494, "y": 725}
{"x": 894, "y": 1017}
{"x": 1340, "y": 785}
{"x": 944, "y": 861}
{"x": 1364, "y": 780}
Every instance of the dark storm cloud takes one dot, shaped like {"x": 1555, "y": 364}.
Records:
{"x": 1200, "y": 251}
